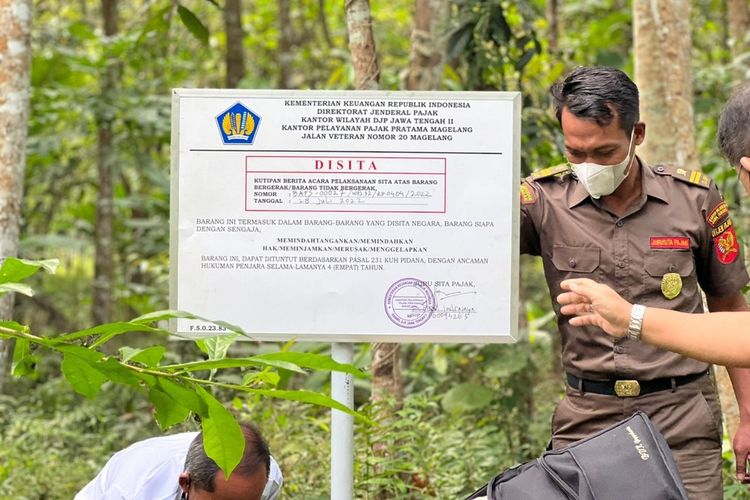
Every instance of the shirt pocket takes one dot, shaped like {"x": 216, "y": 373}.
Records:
{"x": 661, "y": 263}
{"x": 658, "y": 264}
{"x": 569, "y": 260}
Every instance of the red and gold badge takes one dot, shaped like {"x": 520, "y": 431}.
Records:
{"x": 717, "y": 214}
{"x": 727, "y": 246}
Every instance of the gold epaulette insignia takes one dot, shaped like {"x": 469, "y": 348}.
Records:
{"x": 695, "y": 177}
{"x": 528, "y": 195}
{"x": 550, "y": 171}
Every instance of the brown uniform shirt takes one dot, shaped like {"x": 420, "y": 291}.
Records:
{"x": 679, "y": 225}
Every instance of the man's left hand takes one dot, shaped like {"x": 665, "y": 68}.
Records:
{"x": 741, "y": 445}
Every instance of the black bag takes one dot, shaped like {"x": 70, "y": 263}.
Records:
{"x": 631, "y": 459}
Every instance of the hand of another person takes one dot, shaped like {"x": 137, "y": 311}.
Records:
{"x": 593, "y": 304}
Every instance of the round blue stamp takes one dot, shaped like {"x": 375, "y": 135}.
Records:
{"x": 409, "y": 303}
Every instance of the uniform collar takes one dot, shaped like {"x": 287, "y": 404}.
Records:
{"x": 649, "y": 184}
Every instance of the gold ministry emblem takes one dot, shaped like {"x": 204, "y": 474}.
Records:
{"x": 671, "y": 285}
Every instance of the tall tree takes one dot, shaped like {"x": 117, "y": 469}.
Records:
{"x": 104, "y": 266}
{"x": 738, "y": 21}
{"x": 386, "y": 365}
{"x": 665, "y": 82}
{"x": 235, "y": 53}
{"x": 553, "y": 15}
{"x": 15, "y": 88}
{"x": 427, "y": 50}
{"x": 386, "y": 370}
{"x": 387, "y": 382}
{"x": 362, "y": 45}
{"x": 286, "y": 41}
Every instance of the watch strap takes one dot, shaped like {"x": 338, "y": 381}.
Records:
{"x": 636, "y": 322}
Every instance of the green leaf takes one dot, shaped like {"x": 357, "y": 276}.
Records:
{"x": 222, "y": 437}
{"x": 168, "y": 411}
{"x": 193, "y": 24}
{"x": 311, "y": 398}
{"x": 201, "y": 344}
{"x": 15, "y": 270}
{"x": 150, "y": 357}
{"x": 82, "y": 31}
{"x": 85, "y": 379}
{"x": 162, "y": 315}
{"x": 116, "y": 372}
{"x": 23, "y": 362}
{"x": 111, "y": 329}
{"x": 313, "y": 361}
{"x": 217, "y": 347}
{"x": 467, "y": 397}
{"x": 232, "y": 363}
{"x": 187, "y": 397}
{"x": 18, "y": 288}
{"x": 506, "y": 362}
{"x": 229, "y": 326}
{"x": 440, "y": 359}
{"x": 174, "y": 314}
{"x": 90, "y": 355}
{"x": 267, "y": 377}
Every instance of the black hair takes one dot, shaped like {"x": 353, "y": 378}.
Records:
{"x": 598, "y": 93}
{"x": 203, "y": 470}
{"x": 733, "y": 135}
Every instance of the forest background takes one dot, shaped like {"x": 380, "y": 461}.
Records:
{"x": 84, "y": 171}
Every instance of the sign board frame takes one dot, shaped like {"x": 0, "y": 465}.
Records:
{"x": 419, "y": 159}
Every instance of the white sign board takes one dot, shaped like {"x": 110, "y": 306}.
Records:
{"x": 346, "y": 216}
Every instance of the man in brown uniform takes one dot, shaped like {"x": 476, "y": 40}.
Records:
{"x": 654, "y": 234}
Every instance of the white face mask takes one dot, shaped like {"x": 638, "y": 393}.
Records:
{"x": 603, "y": 180}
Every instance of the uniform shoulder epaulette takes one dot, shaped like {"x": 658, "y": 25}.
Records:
{"x": 694, "y": 177}
{"x": 550, "y": 171}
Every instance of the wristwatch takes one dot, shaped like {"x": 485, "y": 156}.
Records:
{"x": 636, "y": 322}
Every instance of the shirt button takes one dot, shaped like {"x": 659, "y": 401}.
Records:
{"x": 660, "y": 169}
{"x": 620, "y": 264}
{"x": 619, "y": 223}
{"x": 672, "y": 268}
{"x": 619, "y": 349}
{"x": 572, "y": 263}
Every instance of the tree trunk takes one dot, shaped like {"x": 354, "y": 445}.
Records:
{"x": 324, "y": 23}
{"x": 15, "y": 89}
{"x": 235, "y": 54}
{"x": 386, "y": 369}
{"x": 665, "y": 82}
{"x": 738, "y": 21}
{"x": 105, "y": 164}
{"x": 428, "y": 39}
{"x": 386, "y": 360}
{"x": 553, "y": 14}
{"x": 286, "y": 40}
{"x": 362, "y": 45}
